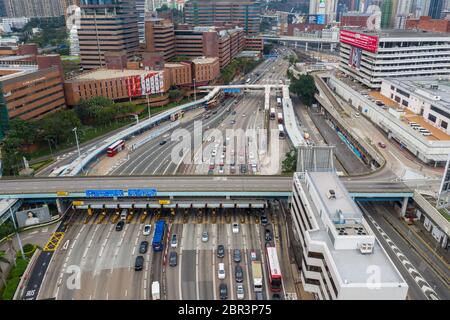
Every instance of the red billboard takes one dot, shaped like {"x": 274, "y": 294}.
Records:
{"x": 360, "y": 40}
{"x": 150, "y": 83}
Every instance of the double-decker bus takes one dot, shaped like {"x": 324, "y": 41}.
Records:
{"x": 274, "y": 270}
{"x": 272, "y": 114}
{"x": 281, "y": 133}
{"x": 280, "y": 118}
{"x": 158, "y": 237}
{"x": 115, "y": 148}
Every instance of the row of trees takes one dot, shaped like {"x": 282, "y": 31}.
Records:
{"x": 54, "y": 33}
{"x": 304, "y": 87}
{"x": 236, "y": 67}
{"x": 56, "y": 129}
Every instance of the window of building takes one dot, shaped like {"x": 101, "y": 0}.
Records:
{"x": 405, "y": 103}
{"x": 431, "y": 117}
{"x": 444, "y": 124}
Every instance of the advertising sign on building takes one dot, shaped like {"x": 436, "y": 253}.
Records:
{"x": 355, "y": 57}
{"x": 33, "y": 216}
{"x": 150, "y": 83}
{"x": 360, "y": 40}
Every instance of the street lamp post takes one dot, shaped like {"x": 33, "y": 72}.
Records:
{"x": 19, "y": 241}
{"x": 50, "y": 145}
{"x": 195, "y": 94}
{"x": 76, "y": 139}
{"x": 148, "y": 107}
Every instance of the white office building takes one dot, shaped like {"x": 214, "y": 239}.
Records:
{"x": 342, "y": 259}
{"x": 429, "y": 97}
{"x": 371, "y": 56}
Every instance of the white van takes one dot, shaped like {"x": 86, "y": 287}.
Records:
{"x": 123, "y": 215}
{"x": 221, "y": 271}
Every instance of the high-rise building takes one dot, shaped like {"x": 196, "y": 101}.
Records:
{"x": 33, "y": 8}
{"x": 245, "y": 13}
{"x": 107, "y": 26}
{"x": 436, "y": 7}
{"x": 386, "y": 13}
{"x": 141, "y": 9}
{"x": 371, "y": 56}
{"x": 160, "y": 37}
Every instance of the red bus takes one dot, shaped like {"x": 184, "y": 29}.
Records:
{"x": 273, "y": 267}
{"x": 115, "y": 147}
{"x": 280, "y": 118}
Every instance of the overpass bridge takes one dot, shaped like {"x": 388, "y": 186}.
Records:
{"x": 187, "y": 186}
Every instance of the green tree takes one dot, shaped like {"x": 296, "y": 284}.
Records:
{"x": 59, "y": 125}
{"x": 3, "y": 260}
{"x": 289, "y": 163}
{"x": 23, "y": 130}
{"x": 304, "y": 88}
{"x": 175, "y": 94}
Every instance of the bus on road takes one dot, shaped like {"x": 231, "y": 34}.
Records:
{"x": 176, "y": 116}
{"x": 281, "y": 133}
{"x": 274, "y": 270}
{"x": 158, "y": 237}
{"x": 272, "y": 114}
{"x": 280, "y": 118}
{"x": 115, "y": 148}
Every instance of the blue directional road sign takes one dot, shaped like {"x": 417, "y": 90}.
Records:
{"x": 104, "y": 193}
{"x": 231, "y": 90}
{"x": 141, "y": 192}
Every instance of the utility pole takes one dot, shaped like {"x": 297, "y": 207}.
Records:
{"x": 17, "y": 233}
{"x": 148, "y": 107}
{"x": 76, "y": 139}
{"x": 195, "y": 94}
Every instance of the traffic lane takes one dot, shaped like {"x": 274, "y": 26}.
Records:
{"x": 188, "y": 262}
{"x": 173, "y": 273}
{"x": 377, "y": 213}
{"x": 414, "y": 291}
{"x": 162, "y": 162}
{"x": 205, "y": 266}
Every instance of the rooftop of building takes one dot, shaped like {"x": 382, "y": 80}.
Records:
{"x": 351, "y": 264}
{"x": 387, "y": 34}
{"x": 104, "y": 74}
{"x": 175, "y": 64}
{"x": 12, "y": 71}
{"x": 204, "y": 60}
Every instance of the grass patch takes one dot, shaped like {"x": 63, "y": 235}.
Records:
{"x": 41, "y": 164}
{"x": 444, "y": 213}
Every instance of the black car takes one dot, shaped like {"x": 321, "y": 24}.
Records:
{"x": 223, "y": 291}
{"x": 264, "y": 220}
{"x": 163, "y": 142}
{"x": 243, "y": 168}
{"x": 119, "y": 225}
{"x": 220, "y": 251}
{"x": 239, "y": 275}
{"x": 268, "y": 235}
{"x": 139, "y": 263}
{"x": 237, "y": 255}
{"x": 214, "y": 112}
{"x": 143, "y": 247}
{"x": 276, "y": 296}
{"x": 173, "y": 257}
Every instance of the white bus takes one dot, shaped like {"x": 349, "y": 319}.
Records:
{"x": 272, "y": 114}
{"x": 281, "y": 133}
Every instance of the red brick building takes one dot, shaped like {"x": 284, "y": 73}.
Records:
{"x": 425, "y": 23}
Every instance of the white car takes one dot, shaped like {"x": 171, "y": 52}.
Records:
{"x": 174, "y": 241}
{"x": 221, "y": 169}
{"x": 205, "y": 236}
{"x": 240, "y": 291}
{"x": 147, "y": 230}
{"x": 235, "y": 228}
{"x": 214, "y": 153}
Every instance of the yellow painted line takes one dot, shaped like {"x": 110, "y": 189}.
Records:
{"x": 54, "y": 241}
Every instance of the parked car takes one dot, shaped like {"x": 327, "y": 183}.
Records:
{"x": 119, "y": 225}
{"x": 223, "y": 291}
{"x": 237, "y": 255}
{"x": 139, "y": 263}
{"x": 143, "y": 247}
{"x": 174, "y": 241}
{"x": 147, "y": 230}
{"x": 173, "y": 257}
{"x": 268, "y": 235}
{"x": 220, "y": 251}
{"x": 240, "y": 291}
{"x": 238, "y": 273}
